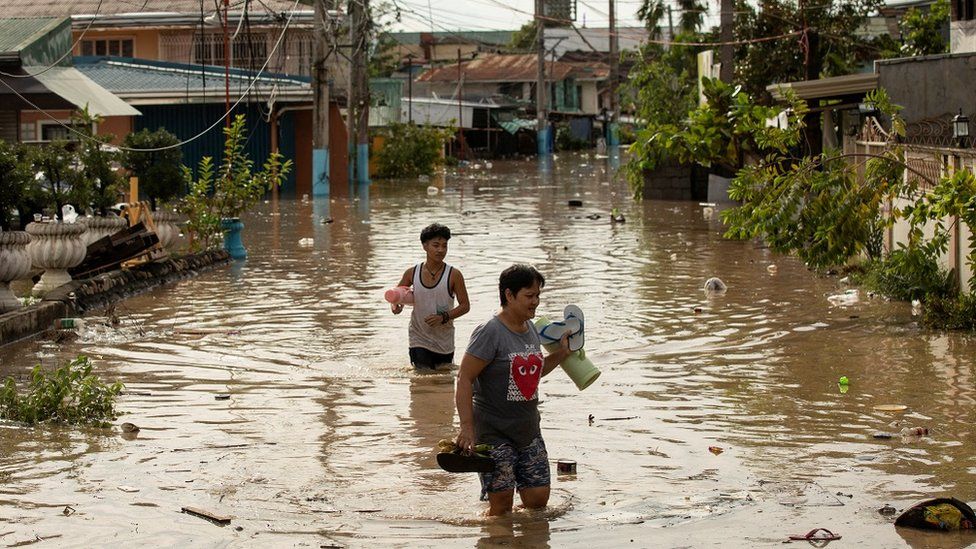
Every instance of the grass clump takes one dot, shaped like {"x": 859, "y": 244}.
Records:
{"x": 70, "y": 394}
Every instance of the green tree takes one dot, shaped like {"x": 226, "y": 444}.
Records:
{"x": 411, "y": 150}
{"x": 922, "y": 32}
{"x": 15, "y": 180}
{"x": 58, "y": 180}
{"x": 829, "y": 42}
{"x": 98, "y": 163}
{"x": 228, "y": 190}
{"x": 159, "y": 167}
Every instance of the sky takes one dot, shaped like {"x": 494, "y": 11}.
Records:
{"x": 452, "y": 15}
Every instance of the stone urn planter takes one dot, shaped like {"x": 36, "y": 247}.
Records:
{"x": 55, "y": 247}
{"x": 15, "y": 263}
{"x": 102, "y": 226}
{"x": 167, "y": 228}
{"x": 232, "y": 237}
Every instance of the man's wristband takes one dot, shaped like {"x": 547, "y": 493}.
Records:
{"x": 445, "y": 317}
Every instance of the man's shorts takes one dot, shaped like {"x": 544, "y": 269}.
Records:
{"x": 517, "y": 469}
{"x": 423, "y": 358}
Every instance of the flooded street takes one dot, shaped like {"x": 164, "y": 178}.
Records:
{"x": 328, "y": 437}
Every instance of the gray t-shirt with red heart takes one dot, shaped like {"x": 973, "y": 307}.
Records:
{"x": 506, "y": 393}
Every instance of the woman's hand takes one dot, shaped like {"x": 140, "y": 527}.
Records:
{"x": 465, "y": 439}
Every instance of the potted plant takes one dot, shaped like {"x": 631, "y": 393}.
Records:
{"x": 219, "y": 195}
{"x": 99, "y": 171}
{"x": 160, "y": 177}
{"x": 56, "y": 244}
{"x": 14, "y": 260}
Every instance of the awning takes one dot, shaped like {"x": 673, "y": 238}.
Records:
{"x": 80, "y": 90}
{"x": 827, "y": 88}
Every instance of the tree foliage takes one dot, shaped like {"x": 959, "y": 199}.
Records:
{"x": 922, "y": 31}
{"x": 159, "y": 171}
{"x": 70, "y": 394}
{"x": 729, "y": 127}
{"x": 98, "y": 163}
{"x": 411, "y": 150}
{"x": 230, "y": 189}
{"x": 831, "y": 25}
{"x": 15, "y": 180}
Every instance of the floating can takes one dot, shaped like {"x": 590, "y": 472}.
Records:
{"x": 566, "y": 467}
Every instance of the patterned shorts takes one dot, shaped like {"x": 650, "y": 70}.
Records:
{"x": 517, "y": 469}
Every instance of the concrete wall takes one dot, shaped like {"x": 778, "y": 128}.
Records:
{"x": 931, "y": 86}
{"x": 962, "y": 36}
{"x": 668, "y": 183}
{"x": 589, "y": 100}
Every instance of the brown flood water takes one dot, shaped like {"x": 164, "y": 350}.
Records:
{"x": 328, "y": 437}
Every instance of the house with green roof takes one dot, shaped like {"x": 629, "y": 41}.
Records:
{"x": 36, "y": 75}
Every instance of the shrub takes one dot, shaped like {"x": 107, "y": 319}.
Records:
{"x": 70, "y": 394}
{"x": 228, "y": 190}
{"x": 909, "y": 273}
{"x": 159, "y": 171}
{"x": 411, "y": 150}
{"x": 950, "y": 313}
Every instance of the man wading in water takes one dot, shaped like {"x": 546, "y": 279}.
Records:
{"x": 435, "y": 286}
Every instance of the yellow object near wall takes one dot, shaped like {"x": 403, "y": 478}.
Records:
{"x": 375, "y": 147}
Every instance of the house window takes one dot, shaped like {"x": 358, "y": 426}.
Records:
{"x": 28, "y": 131}
{"x": 246, "y": 52}
{"x": 963, "y": 10}
{"x": 53, "y": 131}
{"x": 116, "y": 47}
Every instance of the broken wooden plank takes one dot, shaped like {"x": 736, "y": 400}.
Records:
{"x": 223, "y": 520}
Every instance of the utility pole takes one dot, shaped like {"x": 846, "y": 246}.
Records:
{"x": 542, "y": 128}
{"x": 227, "y": 117}
{"x": 322, "y": 49}
{"x": 612, "y": 139}
{"x": 460, "y": 95}
{"x": 410, "y": 88}
{"x": 670, "y": 27}
{"x": 725, "y": 36}
{"x": 357, "y": 110}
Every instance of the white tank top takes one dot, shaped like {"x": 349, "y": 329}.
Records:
{"x": 430, "y": 301}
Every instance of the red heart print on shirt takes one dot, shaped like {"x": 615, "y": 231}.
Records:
{"x": 526, "y": 372}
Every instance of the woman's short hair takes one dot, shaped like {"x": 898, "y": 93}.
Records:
{"x": 516, "y": 277}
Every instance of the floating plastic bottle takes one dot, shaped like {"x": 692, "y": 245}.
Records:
{"x": 69, "y": 324}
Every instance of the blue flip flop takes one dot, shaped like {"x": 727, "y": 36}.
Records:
{"x": 572, "y": 324}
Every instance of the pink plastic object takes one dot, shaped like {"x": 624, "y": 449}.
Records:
{"x": 399, "y": 294}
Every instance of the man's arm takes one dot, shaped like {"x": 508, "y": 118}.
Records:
{"x": 461, "y": 293}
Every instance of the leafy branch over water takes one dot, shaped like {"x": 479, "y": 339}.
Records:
{"x": 70, "y": 394}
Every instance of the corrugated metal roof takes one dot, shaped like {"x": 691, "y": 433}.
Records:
{"x": 494, "y": 38}
{"x": 123, "y": 76}
{"x": 19, "y": 32}
{"x": 498, "y": 68}
{"x": 65, "y": 8}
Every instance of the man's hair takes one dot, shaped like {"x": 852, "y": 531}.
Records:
{"x": 434, "y": 230}
{"x": 516, "y": 277}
